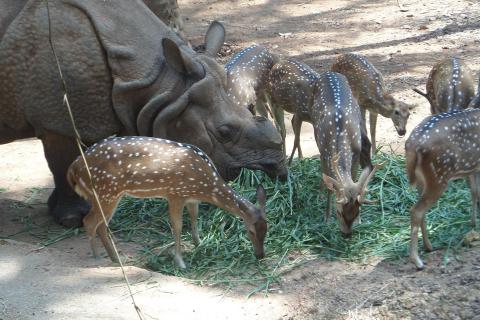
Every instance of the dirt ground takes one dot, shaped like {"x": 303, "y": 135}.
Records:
{"x": 402, "y": 39}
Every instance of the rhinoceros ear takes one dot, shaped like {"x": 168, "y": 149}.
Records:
{"x": 214, "y": 38}
{"x": 182, "y": 63}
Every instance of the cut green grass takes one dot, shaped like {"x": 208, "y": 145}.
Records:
{"x": 297, "y": 232}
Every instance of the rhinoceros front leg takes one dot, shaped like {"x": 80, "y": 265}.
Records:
{"x": 64, "y": 204}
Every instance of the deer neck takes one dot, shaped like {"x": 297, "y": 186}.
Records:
{"x": 233, "y": 202}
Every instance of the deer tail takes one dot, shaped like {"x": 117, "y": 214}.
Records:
{"x": 77, "y": 183}
{"x": 420, "y": 92}
{"x": 413, "y": 158}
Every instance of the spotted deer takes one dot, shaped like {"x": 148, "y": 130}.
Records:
{"x": 247, "y": 76}
{"x": 152, "y": 167}
{"x": 337, "y": 126}
{"x": 291, "y": 88}
{"x": 441, "y": 148}
{"x": 450, "y": 86}
{"x": 368, "y": 88}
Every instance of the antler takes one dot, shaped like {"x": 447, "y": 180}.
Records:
{"x": 341, "y": 198}
{"x": 363, "y": 183}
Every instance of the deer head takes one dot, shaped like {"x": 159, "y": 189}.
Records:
{"x": 256, "y": 222}
{"x": 399, "y": 112}
{"x": 349, "y": 195}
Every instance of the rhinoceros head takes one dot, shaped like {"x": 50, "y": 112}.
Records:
{"x": 206, "y": 117}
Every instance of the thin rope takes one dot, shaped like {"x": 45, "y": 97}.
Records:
{"x": 79, "y": 144}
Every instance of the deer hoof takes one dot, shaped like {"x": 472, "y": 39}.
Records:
{"x": 418, "y": 263}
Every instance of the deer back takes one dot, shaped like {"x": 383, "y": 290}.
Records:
{"x": 247, "y": 74}
{"x": 336, "y": 121}
{"x": 443, "y": 147}
{"x": 145, "y": 166}
{"x": 450, "y": 86}
{"x": 365, "y": 81}
{"x": 292, "y": 86}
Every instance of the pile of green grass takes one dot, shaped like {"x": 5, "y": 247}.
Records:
{"x": 297, "y": 231}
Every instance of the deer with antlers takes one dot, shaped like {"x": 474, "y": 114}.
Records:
{"x": 450, "y": 86}
{"x": 337, "y": 126}
{"x": 151, "y": 167}
{"x": 441, "y": 148}
{"x": 368, "y": 88}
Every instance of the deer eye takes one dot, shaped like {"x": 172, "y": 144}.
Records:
{"x": 396, "y": 112}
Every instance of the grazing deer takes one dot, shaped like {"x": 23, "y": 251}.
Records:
{"x": 151, "y": 167}
{"x": 450, "y": 86}
{"x": 247, "y": 80}
{"x": 368, "y": 88}
{"x": 337, "y": 126}
{"x": 441, "y": 148}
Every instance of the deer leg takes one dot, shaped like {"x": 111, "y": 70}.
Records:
{"x": 90, "y": 223}
{"x": 373, "y": 128}
{"x": 261, "y": 107}
{"x": 474, "y": 181}
{"x": 175, "y": 211}
{"x": 329, "y": 205}
{"x": 297, "y": 126}
{"x": 94, "y": 224}
{"x": 192, "y": 208}
{"x": 417, "y": 216}
{"x": 279, "y": 117}
{"x": 427, "y": 245}
{"x": 365, "y": 153}
{"x": 107, "y": 242}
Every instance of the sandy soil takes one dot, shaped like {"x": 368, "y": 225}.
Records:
{"x": 62, "y": 281}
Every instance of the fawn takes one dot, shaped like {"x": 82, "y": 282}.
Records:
{"x": 368, "y": 88}
{"x": 337, "y": 126}
{"x": 152, "y": 167}
{"x": 441, "y": 148}
{"x": 450, "y": 86}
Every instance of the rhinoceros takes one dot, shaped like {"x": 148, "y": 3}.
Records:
{"x": 126, "y": 73}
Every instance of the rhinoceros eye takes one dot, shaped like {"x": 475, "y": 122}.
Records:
{"x": 226, "y": 133}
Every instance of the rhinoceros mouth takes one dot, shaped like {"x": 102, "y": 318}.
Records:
{"x": 272, "y": 169}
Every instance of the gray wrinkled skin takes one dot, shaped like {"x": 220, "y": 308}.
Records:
{"x": 141, "y": 79}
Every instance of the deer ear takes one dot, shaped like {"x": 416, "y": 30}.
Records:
{"x": 261, "y": 198}
{"x": 214, "y": 38}
{"x": 182, "y": 63}
{"x": 330, "y": 183}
